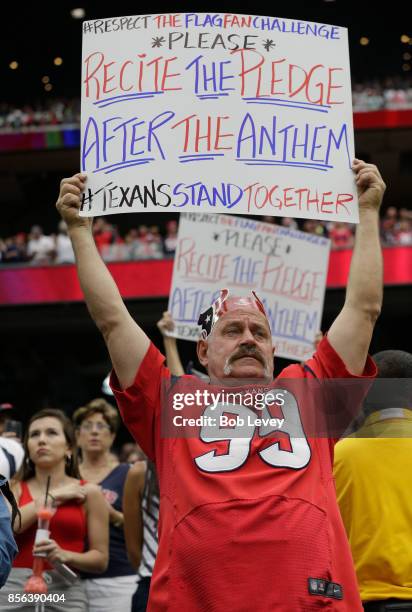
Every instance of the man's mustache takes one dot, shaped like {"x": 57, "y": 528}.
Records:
{"x": 247, "y": 351}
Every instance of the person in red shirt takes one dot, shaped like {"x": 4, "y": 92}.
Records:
{"x": 341, "y": 236}
{"x": 251, "y": 520}
{"x": 78, "y": 527}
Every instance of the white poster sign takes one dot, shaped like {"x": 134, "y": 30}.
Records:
{"x": 287, "y": 269}
{"x": 213, "y": 113}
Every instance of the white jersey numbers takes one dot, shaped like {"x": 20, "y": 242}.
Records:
{"x": 239, "y": 447}
{"x": 236, "y": 424}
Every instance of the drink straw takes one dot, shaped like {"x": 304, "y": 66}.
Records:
{"x": 47, "y": 490}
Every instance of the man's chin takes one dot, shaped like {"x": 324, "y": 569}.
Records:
{"x": 248, "y": 371}
{"x": 239, "y": 376}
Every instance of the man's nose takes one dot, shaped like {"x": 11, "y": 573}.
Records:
{"x": 247, "y": 337}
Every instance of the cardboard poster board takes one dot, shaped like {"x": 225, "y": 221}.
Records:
{"x": 217, "y": 113}
{"x": 287, "y": 269}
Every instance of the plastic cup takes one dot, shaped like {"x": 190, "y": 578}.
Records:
{"x": 45, "y": 513}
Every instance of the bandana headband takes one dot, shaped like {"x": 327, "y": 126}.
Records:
{"x": 222, "y": 305}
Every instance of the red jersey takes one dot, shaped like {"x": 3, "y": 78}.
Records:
{"x": 248, "y": 522}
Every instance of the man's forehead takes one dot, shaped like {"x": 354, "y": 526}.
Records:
{"x": 243, "y": 314}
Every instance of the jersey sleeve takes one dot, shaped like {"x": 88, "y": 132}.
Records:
{"x": 336, "y": 395}
{"x": 139, "y": 404}
{"x": 342, "y": 396}
{"x": 326, "y": 363}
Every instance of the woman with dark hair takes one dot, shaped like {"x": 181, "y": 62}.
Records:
{"x": 79, "y": 516}
{"x": 96, "y": 425}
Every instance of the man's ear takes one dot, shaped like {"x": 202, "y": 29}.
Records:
{"x": 201, "y": 349}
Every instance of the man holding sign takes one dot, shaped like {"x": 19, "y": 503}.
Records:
{"x": 243, "y": 520}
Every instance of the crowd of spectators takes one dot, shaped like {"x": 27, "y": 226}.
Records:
{"x": 32, "y": 117}
{"x": 37, "y": 249}
{"x": 83, "y": 469}
{"x": 151, "y": 242}
{"x": 395, "y": 228}
{"x": 393, "y": 93}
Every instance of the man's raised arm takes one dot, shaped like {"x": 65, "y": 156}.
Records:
{"x": 351, "y": 332}
{"x": 126, "y": 341}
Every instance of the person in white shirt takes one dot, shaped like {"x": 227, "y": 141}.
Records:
{"x": 11, "y": 450}
{"x": 40, "y": 248}
{"x": 64, "y": 249}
